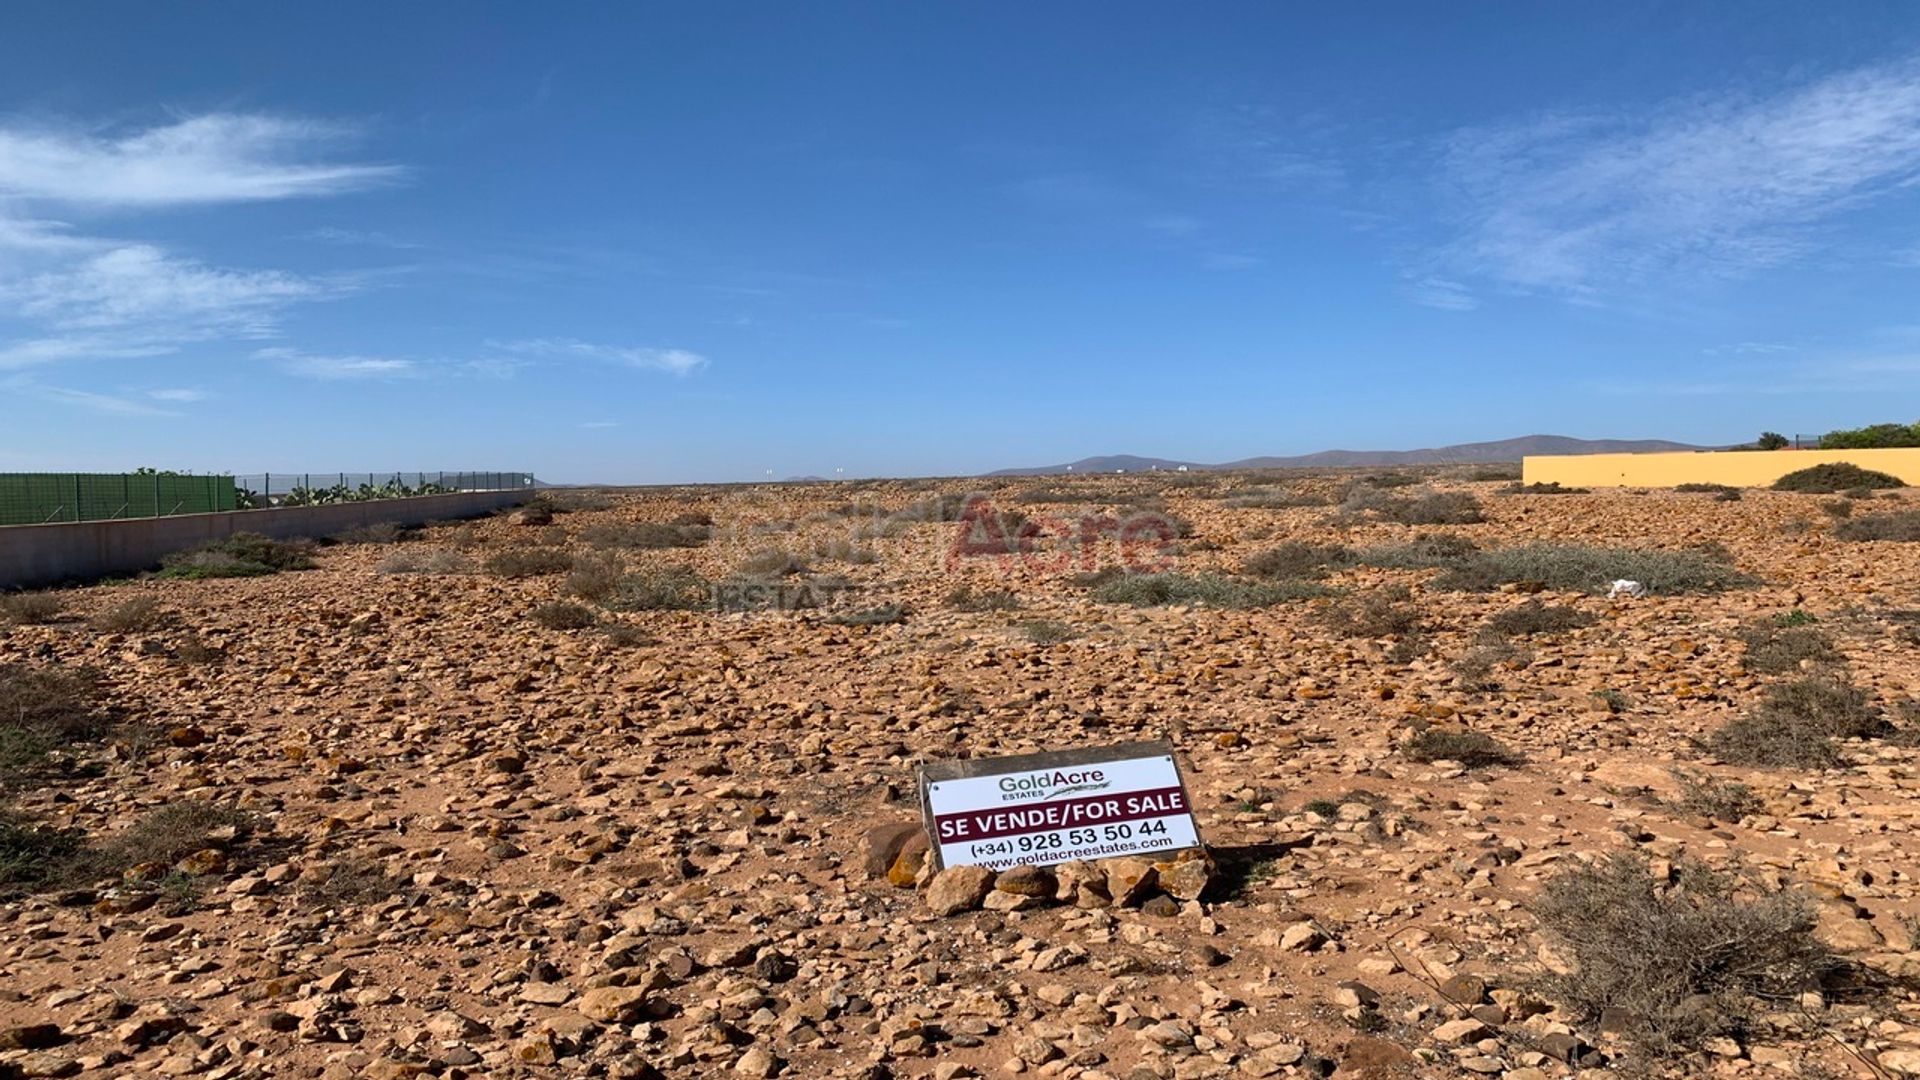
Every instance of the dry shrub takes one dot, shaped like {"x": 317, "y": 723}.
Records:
{"x": 1473, "y": 749}
{"x": 1275, "y": 500}
{"x": 1723, "y": 800}
{"x": 1423, "y": 552}
{"x": 769, "y": 563}
{"x": 884, "y": 615}
{"x": 30, "y": 608}
{"x": 626, "y": 635}
{"x": 136, "y": 614}
{"x": 1574, "y": 567}
{"x": 1047, "y": 631}
{"x": 1796, "y": 723}
{"x": 192, "y": 650}
{"x": 172, "y": 832}
{"x": 1495, "y": 472}
{"x": 43, "y": 708}
{"x": 1376, "y": 613}
{"x": 526, "y": 562}
{"x": 438, "y": 562}
{"x": 964, "y": 597}
{"x": 351, "y": 882}
{"x": 240, "y": 555}
{"x": 843, "y": 550}
{"x": 378, "y": 532}
{"x": 1679, "y": 961}
{"x": 647, "y": 534}
{"x": 33, "y": 855}
{"x": 594, "y": 575}
{"x": 1774, "y": 648}
{"x": 1436, "y": 508}
{"x": 562, "y": 615}
{"x": 1205, "y": 590}
{"x": 1477, "y": 669}
{"x": 1534, "y": 617}
{"x": 1550, "y": 487}
{"x": 1295, "y": 560}
{"x": 661, "y": 590}
{"x": 1902, "y": 526}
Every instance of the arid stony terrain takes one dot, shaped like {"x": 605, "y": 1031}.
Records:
{"x": 466, "y": 815}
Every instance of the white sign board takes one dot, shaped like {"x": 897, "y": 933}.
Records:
{"x": 1053, "y": 808}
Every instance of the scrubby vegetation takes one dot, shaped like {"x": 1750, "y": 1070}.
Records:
{"x": 562, "y": 615}
{"x": 379, "y": 532}
{"x": 1676, "y": 961}
{"x": 1204, "y": 590}
{"x": 1534, "y": 617}
{"x": 1296, "y": 560}
{"x": 1550, "y": 487}
{"x": 1573, "y": 567}
{"x": 43, "y": 708}
{"x": 661, "y": 590}
{"x": 1775, "y": 646}
{"x": 1872, "y": 437}
{"x": 1376, "y": 613}
{"x": 1903, "y": 526}
{"x": 524, "y": 562}
{"x": 1837, "y": 476}
{"x": 1722, "y": 492}
{"x": 1473, "y": 749}
{"x": 436, "y": 562}
{"x": 1047, "y": 631}
{"x": 239, "y": 555}
{"x": 884, "y": 615}
{"x": 134, "y": 615}
{"x": 1795, "y": 724}
{"x": 965, "y": 597}
{"x": 30, "y": 608}
{"x": 644, "y": 535}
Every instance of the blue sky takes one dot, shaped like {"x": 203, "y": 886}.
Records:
{"x": 702, "y": 241}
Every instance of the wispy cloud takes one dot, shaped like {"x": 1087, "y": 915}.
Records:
{"x": 649, "y": 358}
{"x": 336, "y": 368}
{"x": 91, "y": 401}
{"x": 359, "y": 237}
{"x": 178, "y": 394}
{"x": 1580, "y": 206}
{"x": 90, "y": 297}
{"x": 1437, "y": 292}
{"x": 219, "y": 157}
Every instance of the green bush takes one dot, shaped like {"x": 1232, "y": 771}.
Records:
{"x": 1423, "y": 552}
{"x": 239, "y": 555}
{"x": 1903, "y": 526}
{"x": 1774, "y": 648}
{"x": 1206, "y": 590}
{"x": 33, "y": 855}
{"x": 1573, "y": 567}
{"x": 43, "y": 708}
{"x": 1837, "y": 476}
{"x": 1872, "y": 437}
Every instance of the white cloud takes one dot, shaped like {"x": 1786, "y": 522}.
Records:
{"x": 82, "y": 399}
{"x": 672, "y": 361}
{"x": 1441, "y": 293}
{"x": 31, "y": 352}
{"x": 219, "y": 157}
{"x": 179, "y": 394}
{"x": 140, "y": 284}
{"x": 335, "y": 368}
{"x": 1579, "y": 206}
{"x": 361, "y": 237}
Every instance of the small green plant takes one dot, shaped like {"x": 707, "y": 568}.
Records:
{"x": 176, "y": 830}
{"x": 1325, "y": 808}
{"x": 30, "y": 608}
{"x": 1473, "y": 749}
{"x": 43, "y": 708}
{"x": 562, "y": 615}
{"x": 1573, "y": 567}
{"x": 33, "y": 855}
{"x": 1836, "y": 476}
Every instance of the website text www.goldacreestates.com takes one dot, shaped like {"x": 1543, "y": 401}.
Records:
{"x": 1050, "y": 848}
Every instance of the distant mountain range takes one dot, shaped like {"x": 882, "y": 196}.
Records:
{"x": 1463, "y": 454}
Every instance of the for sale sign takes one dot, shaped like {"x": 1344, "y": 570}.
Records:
{"x": 1053, "y": 808}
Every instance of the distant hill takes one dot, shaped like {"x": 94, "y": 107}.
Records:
{"x": 1462, "y": 454}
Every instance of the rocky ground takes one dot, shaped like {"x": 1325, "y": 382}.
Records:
{"x": 476, "y": 846}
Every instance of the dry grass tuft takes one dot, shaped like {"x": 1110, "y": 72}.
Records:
{"x": 30, "y": 608}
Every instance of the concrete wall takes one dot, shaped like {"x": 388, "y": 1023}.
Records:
{"x": 44, "y": 554}
{"x": 1747, "y": 468}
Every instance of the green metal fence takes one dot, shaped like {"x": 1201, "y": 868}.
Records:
{"x": 39, "y": 498}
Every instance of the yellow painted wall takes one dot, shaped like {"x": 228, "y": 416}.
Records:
{"x": 1750, "y": 468}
